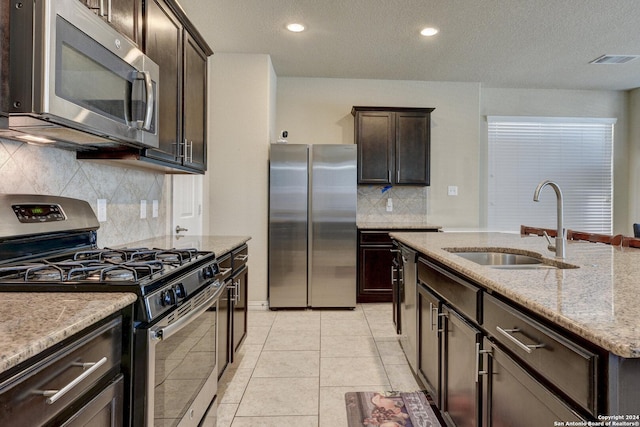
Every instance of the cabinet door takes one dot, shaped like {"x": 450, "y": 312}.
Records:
{"x": 429, "y": 341}
{"x": 194, "y": 104}
{"x": 163, "y": 44}
{"x": 240, "y": 281}
{"x": 224, "y": 353}
{"x": 461, "y": 382}
{"x": 123, "y": 15}
{"x": 412, "y": 148}
{"x": 104, "y": 410}
{"x": 374, "y": 136}
{"x": 374, "y": 276}
{"x": 513, "y": 397}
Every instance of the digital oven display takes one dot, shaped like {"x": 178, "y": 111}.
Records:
{"x": 38, "y": 213}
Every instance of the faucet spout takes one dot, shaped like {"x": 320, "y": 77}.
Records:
{"x": 560, "y": 234}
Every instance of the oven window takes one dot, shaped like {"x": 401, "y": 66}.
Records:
{"x": 183, "y": 363}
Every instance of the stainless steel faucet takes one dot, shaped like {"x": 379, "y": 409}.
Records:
{"x": 561, "y": 239}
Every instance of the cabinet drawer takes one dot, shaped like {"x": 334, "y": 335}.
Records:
{"x": 239, "y": 257}
{"x": 224, "y": 264}
{"x": 21, "y": 397}
{"x": 375, "y": 237}
{"x": 461, "y": 294}
{"x": 567, "y": 365}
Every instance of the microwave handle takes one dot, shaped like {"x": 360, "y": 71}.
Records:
{"x": 150, "y": 101}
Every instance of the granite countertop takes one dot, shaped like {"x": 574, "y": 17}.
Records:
{"x": 598, "y": 301}
{"x": 396, "y": 225}
{"x": 219, "y": 245}
{"x": 31, "y": 322}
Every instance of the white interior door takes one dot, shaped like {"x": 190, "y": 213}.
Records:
{"x": 187, "y": 205}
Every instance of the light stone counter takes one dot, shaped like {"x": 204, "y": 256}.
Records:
{"x": 219, "y": 245}
{"x": 396, "y": 225}
{"x": 599, "y": 301}
{"x": 31, "y": 322}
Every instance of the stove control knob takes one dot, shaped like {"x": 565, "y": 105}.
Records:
{"x": 168, "y": 297}
{"x": 208, "y": 272}
{"x": 180, "y": 291}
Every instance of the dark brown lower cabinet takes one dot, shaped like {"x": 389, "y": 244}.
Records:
{"x": 429, "y": 341}
{"x": 224, "y": 356}
{"x": 104, "y": 410}
{"x": 239, "y": 308}
{"x": 461, "y": 391}
{"x": 513, "y": 397}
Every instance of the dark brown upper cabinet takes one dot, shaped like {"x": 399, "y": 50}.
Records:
{"x": 182, "y": 55}
{"x": 123, "y": 15}
{"x": 393, "y": 145}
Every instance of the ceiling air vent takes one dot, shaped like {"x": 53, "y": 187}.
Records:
{"x": 614, "y": 59}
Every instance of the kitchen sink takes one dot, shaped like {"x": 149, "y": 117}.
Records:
{"x": 509, "y": 260}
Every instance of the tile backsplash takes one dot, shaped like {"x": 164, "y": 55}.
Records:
{"x": 409, "y": 203}
{"x": 30, "y": 169}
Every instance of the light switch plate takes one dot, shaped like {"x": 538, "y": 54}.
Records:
{"x": 452, "y": 190}
{"x": 102, "y": 210}
{"x": 154, "y": 209}
{"x": 143, "y": 209}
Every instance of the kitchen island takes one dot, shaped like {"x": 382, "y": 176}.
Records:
{"x": 589, "y": 305}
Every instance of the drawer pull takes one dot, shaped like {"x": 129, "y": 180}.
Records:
{"x": 225, "y": 271}
{"x": 54, "y": 395}
{"x": 526, "y": 347}
{"x": 242, "y": 258}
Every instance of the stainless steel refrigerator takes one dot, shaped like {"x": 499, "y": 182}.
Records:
{"x": 312, "y": 225}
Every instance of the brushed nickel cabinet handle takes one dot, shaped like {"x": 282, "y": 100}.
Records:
{"x": 54, "y": 395}
{"x": 526, "y": 347}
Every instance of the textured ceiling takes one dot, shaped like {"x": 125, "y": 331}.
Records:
{"x": 499, "y": 43}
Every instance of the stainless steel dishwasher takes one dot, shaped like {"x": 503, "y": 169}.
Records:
{"x": 409, "y": 306}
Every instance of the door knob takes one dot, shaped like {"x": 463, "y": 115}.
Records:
{"x": 179, "y": 229}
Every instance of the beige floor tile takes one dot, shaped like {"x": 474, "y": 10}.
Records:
{"x": 291, "y": 340}
{"x": 298, "y": 321}
{"x": 256, "y": 335}
{"x": 280, "y": 397}
{"x": 232, "y": 386}
{"x": 226, "y": 412}
{"x": 341, "y": 314}
{"x": 247, "y": 356}
{"x": 401, "y": 378}
{"x": 383, "y": 330}
{"x": 352, "y": 371}
{"x": 378, "y": 307}
{"x": 333, "y": 327}
{"x": 288, "y": 364}
{"x": 261, "y": 318}
{"x": 390, "y": 351}
{"x": 348, "y": 346}
{"x": 299, "y": 421}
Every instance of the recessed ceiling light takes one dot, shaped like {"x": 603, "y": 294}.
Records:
{"x": 429, "y": 31}
{"x": 295, "y": 28}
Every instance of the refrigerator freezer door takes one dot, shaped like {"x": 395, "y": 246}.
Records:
{"x": 332, "y": 251}
{"x": 288, "y": 177}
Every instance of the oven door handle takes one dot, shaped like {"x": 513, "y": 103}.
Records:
{"x": 168, "y": 331}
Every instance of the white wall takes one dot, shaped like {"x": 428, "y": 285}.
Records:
{"x": 241, "y": 93}
{"x": 565, "y": 103}
{"x": 318, "y": 111}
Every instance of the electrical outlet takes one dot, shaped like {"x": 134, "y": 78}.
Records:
{"x": 143, "y": 209}
{"x": 102, "y": 210}
{"x": 154, "y": 209}
{"x": 452, "y": 190}
{"x": 389, "y": 205}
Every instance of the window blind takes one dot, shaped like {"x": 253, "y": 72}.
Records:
{"x": 576, "y": 153}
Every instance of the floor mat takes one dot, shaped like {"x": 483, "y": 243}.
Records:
{"x": 390, "y": 409}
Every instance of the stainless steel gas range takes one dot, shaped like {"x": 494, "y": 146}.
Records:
{"x": 49, "y": 243}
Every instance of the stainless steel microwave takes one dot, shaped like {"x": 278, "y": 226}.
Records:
{"x": 75, "y": 80}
